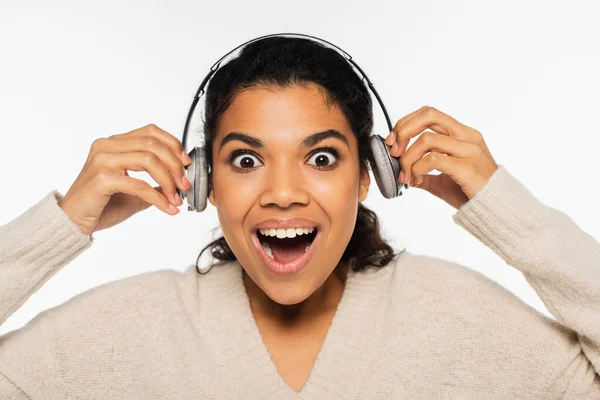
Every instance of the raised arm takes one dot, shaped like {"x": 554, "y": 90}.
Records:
{"x": 38, "y": 243}
{"x": 562, "y": 264}
{"x": 33, "y": 247}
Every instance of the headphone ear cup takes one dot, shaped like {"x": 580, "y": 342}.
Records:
{"x": 200, "y": 185}
{"x": 386, "y": 168}
{"x": 197, "y": 174}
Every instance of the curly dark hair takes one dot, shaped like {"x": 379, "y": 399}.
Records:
{"x": 282, "y": 62}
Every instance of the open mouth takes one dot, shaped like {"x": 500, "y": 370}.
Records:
{"x": 285, "y": 246}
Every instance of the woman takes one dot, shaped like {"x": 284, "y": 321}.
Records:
{"x": 350, "y": 319}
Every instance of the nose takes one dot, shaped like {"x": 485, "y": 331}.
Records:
{"x": 284, "y": 185}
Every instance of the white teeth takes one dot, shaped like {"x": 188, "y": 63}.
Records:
{"x": 283, "y": 233}
{"x": 267, "y": 249}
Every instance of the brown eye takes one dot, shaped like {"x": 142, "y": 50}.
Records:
{"x": 246, "y": 161}
{"x": 323, "y": 159}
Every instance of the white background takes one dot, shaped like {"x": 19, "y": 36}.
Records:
{"x": 523, "y": 73}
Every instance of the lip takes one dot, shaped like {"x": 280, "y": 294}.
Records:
{"x": 285, "y": 269}
{"x": 285, "y": 223}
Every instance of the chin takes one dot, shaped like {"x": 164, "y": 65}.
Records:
{"x": 286, "y": 291}
{"x": 288, "y": 294}
{"x": 289, "y": 290}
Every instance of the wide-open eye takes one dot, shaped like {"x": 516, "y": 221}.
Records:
{"x": 246, "y": 160}
{"x": 324, "y": 158}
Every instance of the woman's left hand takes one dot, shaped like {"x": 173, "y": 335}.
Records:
{"x": 459, "y": 153}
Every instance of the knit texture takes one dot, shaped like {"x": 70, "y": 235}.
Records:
{"x": 419, "y": 328}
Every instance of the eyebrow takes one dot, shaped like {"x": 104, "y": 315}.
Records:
{"x": 308, "y": 141}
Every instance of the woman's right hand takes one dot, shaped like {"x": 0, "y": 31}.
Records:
{"x": 104, "y": 194}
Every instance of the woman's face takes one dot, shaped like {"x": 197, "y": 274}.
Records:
{"x": 282, "y": 179}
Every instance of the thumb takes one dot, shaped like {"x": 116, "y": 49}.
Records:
{"x": 444, "y": 187}
{"x": 144, "y": 204}
{"x": 434, "y": 184}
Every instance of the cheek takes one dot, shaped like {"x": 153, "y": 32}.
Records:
{"x": 234, "y": 202}
{"x": 235, "y": 194}
{"x": 342, "y": 209}
{"x": 339, "y": 201}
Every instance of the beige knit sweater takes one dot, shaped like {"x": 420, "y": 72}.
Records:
{"x": 419, "y": 328}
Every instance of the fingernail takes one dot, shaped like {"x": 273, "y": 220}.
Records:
{"x": 185, "y": 157}
{"x": 178, "y": 199}
{"x": 401, "y": 176}
{"x": 394, "y": 149}
{"x": 419, "y": 180}
{"x": 173, "y": 209}
{"x": 390, "y": 139}
{"x": 186, "y": 182}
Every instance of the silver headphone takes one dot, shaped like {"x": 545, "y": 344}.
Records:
{"x": 385, "y": 167}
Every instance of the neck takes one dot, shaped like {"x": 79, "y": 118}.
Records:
{"x": 324, "y": 300}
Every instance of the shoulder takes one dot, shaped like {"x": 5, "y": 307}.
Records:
{"x": 129, "y": 293}
{"x": 117, "y": 311}
{"x": 103, "y": 330}
{"x": 457, "y": 317}
{"x": 460, "y": 297}
{"x": 435, "y": 285}
{"x": 442, "y": 304}
{"x": 435, "y": 276}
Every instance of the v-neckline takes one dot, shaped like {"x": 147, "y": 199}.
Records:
{"x": 244, "y": 359}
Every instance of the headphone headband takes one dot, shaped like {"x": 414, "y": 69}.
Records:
{"x": 216, "y": 66}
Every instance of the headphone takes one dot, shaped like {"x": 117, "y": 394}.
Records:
{"x": 385, "y": 167}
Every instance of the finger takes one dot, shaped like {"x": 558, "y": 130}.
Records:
{"x": 391, "y": 137}
{"x": 114, "y": 183}
{"x": 429, "y": 117}
{"x": 168, "y": 139}
{"x": 430, "y": 141}
{"x": 144, "y": 204}
{"x": 456, "y": 168}
{"x": 128, "y": 144}
{"x": 445, "y": 188}
{"x": 141, "y": 161}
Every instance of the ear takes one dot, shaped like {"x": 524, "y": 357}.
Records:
{"x": 364, "y": 183}
{"x": 211, "y": 192}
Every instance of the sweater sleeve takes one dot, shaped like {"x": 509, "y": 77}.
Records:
{"x": 558, "y": 259}
{"x": 33, "y": 247}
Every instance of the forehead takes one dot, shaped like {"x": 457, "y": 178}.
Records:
{"x": 289, "y": 111}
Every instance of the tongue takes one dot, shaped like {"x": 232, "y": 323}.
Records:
{"x": 288, "y": 249}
